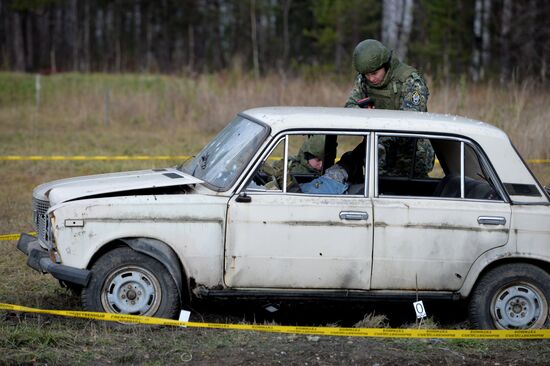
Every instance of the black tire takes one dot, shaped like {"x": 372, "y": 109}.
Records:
{"x": 513, "y": 296}
{"x": 72, "y": 287}
{"x": 128, "y": 282}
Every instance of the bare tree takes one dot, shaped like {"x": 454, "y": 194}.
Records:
{"x": 86, "y": 37}
{"x": 73, "y": 34}
{"x": 149, "y": 34}
{"x": 254, "y": 39}
{"x": 191, "y": 46}
{"x": 219, "y": 57}
{"x": 43, "y": 36}
{"x": 3, "y": 44}
{"x": 57, "y": 43}
{"x": 482, "y": 39}
{"x": 397, "y": 19}
{"x": 506, "y": 19}
{"x": 528, "y": 42}
{"x": 116, "y": 34}
{"x": 450, "y": 37}
{"x": 29, "y": 42}
{"x": 486, "y": 37}
{"x": 18, "y": 46}
{"x": 338, "y": 47}
{"x": 137, "y": 28}
{"x": 286, "y": 40}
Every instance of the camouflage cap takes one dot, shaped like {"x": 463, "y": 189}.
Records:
{"x": 370, "y": 55}
{"x": 315, "y": 146}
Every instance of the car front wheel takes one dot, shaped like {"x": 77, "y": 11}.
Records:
{"x": 514, "y": 296}
{"x": 127, "y": 282}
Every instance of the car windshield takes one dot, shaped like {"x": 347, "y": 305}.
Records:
{"x": 222, "y": 160}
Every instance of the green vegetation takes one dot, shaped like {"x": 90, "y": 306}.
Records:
{"x": 16, "y": 88}
{"x": 447, "y": 39}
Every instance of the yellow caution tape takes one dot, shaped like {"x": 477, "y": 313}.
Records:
{"x": 87, "y": 158}
{"x": 329, "y": 331}
{"x": 10, "y": 237}
{"x": 13, "y": 236}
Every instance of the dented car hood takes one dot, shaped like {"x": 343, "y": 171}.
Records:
{"x": 92, "y": 185}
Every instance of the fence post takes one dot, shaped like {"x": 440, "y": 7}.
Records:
{"x": 37, "y": 88}
{"x": 107, "y": 107}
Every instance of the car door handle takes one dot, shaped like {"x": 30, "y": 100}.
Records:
{"x": 491, "y": 220}
{"x": 353, "y": 215}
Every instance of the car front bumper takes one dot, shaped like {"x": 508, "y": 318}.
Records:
{"x": 39, "y": 259}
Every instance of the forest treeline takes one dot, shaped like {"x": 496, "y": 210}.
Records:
{"x": 478, "y": 39}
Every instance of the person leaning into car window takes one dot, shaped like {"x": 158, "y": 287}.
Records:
{"x": 391, "y": 84}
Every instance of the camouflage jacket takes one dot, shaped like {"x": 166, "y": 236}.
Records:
{"x": 403, "y": 88}
{"x": 298, "y": 164}
{"x": 396, "y": 156}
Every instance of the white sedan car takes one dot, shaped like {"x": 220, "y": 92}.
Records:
{"x": 398, "y": 203}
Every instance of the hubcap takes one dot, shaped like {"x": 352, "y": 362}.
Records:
{"x": 519, "y": 306}
{"x": 131, "y": 290}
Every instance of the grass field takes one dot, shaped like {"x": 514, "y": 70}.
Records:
{"x": 161, "y": 115}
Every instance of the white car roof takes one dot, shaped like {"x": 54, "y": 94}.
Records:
{"x": 285, "y": 118}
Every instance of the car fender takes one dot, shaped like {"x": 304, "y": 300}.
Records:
{"x": 165, "y": 255}
{"x": 495, "y": 258}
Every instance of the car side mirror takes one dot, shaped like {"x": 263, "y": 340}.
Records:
{"x": 243, "y": 197}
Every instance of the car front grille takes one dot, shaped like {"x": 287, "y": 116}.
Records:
{"x": 39, "y": 209}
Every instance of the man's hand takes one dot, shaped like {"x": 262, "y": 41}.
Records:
{"x": 367, "y": 102}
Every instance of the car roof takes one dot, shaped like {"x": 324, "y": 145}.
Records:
{"x": 289, "y": 118}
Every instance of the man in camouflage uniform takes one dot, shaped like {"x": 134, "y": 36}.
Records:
{"x": 309, "y": 161}
{"x": 396, "y": 155}
{"x": 393, "y": 85}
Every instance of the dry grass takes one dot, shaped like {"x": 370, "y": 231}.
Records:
{"x": 151, "y": 114}
{"x": 426, "y": 323}
{"x": 521, "y": 110}
{"x": 160, "y": 115}
{"x": 373, "y": 320}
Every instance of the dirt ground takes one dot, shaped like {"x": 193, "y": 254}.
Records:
{"x": 144, "y": 345}
{"x": 266, "y": 349}
{"x": 39, "y": 340}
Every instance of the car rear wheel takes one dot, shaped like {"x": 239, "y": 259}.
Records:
{"x": 127, "y": 282}
{"x": 514, "y": 296}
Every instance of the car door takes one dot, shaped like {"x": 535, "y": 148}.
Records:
{"x": 435, "y": 219}
{"x": 281, "y": 239}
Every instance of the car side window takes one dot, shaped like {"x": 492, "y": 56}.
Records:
{"x": 265, "y": 177}
{"x": 432, "y": 167}
{"x": 477, "y": 181}
{"x": 405, "y": 157}
{"x": 315, "y": 164}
